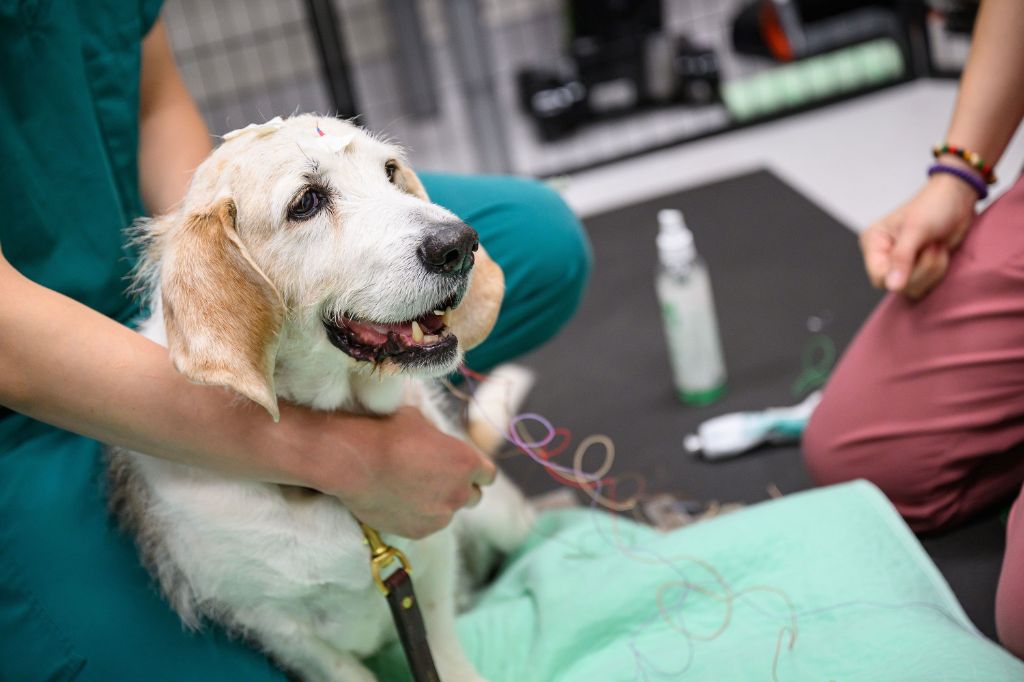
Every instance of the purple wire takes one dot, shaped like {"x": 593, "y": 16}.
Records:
{"x": 548, "y": 427}
{"x": 527, "y": 446}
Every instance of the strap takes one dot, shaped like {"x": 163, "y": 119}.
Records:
{"x": 405, "y": 610}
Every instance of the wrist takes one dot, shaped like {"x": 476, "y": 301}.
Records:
{"x": 957, "y": 162}
{"x": 296, "y": 446}
{"x": 970, "y": 157}
{"x": 278, "y": 449}
{"x": 959, "y": 183}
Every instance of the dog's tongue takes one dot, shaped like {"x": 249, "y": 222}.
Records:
{"x": 430, "y": 323}
{"x": 376, "y": 333}
{"x": 372, "y": 334}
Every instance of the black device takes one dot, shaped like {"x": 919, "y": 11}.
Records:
{"x": 619, "y": 60}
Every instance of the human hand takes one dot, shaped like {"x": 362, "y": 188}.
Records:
{"x": 398, "y": 474}
{"x": 908, "y": 250}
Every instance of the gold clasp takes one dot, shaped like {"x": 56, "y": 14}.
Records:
{"x": 382, "y": 554}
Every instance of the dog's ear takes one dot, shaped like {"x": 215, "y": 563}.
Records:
{"x": 221, "y": 312}
{"x": 474, "y": 319}
{"x": 407, "y": 181}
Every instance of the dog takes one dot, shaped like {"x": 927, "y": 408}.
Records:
{"x": 307, "y": 263}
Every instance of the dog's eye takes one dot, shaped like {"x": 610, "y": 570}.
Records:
{"x": 391, "y": 167}
{"x": 307, "y": 205}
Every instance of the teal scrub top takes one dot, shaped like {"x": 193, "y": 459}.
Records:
{"x": 69, "y": 142}
{"x": 75, "y": 603}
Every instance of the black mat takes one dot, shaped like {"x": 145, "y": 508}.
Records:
{"x": 776, "y": 260}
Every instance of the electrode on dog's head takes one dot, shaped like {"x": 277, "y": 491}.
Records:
{"x": 334, "y": 143}
{"x": 316, "y": 141}
{"x": 258, "y": 129}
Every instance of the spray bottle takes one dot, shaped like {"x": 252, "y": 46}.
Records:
{"x": 691, "y": 328}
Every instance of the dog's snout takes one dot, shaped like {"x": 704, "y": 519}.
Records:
{"x": 449, "y": 248}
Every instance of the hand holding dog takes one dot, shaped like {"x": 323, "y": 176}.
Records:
{"x": 398, "y": 473}
{"x": 908, "y": 251}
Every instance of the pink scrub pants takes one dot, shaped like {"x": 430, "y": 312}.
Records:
{"x": 928, "y": 401}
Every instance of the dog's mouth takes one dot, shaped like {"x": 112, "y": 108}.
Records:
{"x": 424, "y": 340}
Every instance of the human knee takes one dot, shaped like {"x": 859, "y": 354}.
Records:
{"x": 1010, "y": 593}
{"x": 559, "y": 251}
{"x": 546, "y": 256}
{"x": 826, "y": 458}
{"x": 833, "y": 453}
{"x": 1010, "y": 626}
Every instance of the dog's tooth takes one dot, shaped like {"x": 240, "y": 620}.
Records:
{"x": 439, "y": 312}
{"x": 417, "y": 333}
{"x": 446, "y": 317}
{"x": 430, "y": 338}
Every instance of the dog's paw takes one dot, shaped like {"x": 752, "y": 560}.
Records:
{"x": 520, "y": 521}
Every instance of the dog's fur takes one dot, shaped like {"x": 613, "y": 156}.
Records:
{"x": 239, "y": 293}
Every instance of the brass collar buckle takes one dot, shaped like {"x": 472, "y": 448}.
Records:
{"x": 381, "y": 555}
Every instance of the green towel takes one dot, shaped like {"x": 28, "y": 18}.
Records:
{"x": 824, "y": 585}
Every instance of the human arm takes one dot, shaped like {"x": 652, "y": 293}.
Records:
{"x": 908, "y": 250}
{"x": 66, "y": 364}
{"x": 173, "y": 138}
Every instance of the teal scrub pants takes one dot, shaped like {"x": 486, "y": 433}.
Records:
{"x": 74, "y": 601}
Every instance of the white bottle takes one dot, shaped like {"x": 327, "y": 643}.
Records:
{"x": 728, "y": 435}
{"x": 688, "y": 310}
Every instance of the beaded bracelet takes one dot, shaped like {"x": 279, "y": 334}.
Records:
{"x": 968, "y": 156}
{"x": 972, "y": 179}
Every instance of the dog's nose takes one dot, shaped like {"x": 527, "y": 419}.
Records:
{"x": 449, "y": 248}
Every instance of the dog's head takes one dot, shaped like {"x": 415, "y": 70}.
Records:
{"x": 311, "y": 232}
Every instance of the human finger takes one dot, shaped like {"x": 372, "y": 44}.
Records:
{"x": 875, "y": 246}
{"x": 929, "y": 270}
{"x": 485, "y": 473}
{"x": 903, "y": 257}
{"x": 475, "y": 496}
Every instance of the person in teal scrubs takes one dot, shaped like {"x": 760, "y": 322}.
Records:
{"x": 97, "y": 129}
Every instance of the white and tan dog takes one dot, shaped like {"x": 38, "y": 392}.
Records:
{"x": 307, "y": 263}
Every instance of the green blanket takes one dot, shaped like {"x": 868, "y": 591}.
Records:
{"x": 824, "y": 585}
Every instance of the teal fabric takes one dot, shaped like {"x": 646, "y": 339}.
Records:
{"x": 74, "y": 601}
{"x": 538, "y": 242}
{"x": 70, "y": 78}
{"x": 837, "y": 567}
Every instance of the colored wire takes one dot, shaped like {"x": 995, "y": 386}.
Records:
{"x": 817, "y": 359}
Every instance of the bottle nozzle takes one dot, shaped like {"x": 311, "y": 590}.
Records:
{"x": 670, "y": 218}
{"x": 675, "y": 241}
